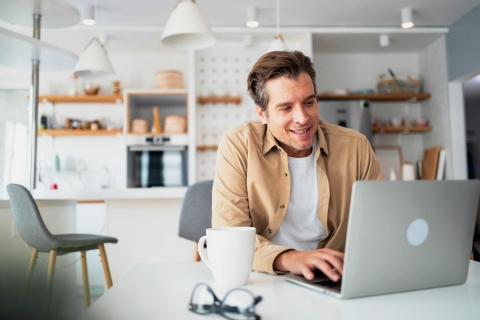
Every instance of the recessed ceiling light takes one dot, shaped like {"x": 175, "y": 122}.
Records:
{"x": 252, "y": 21}
{"x": 88, "y": 18}
{"x": 407, "y": 21}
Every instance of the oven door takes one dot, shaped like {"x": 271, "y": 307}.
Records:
{"x": 157, "y": 166}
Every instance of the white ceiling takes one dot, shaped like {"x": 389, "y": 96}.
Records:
{"x": 304, "y": 13}
{"x": 135, "y": 25}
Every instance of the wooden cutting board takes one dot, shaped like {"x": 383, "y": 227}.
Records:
{"x": 430, "y": 163}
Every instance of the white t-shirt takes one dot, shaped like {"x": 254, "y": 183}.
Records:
{"x": 301, "y": 229}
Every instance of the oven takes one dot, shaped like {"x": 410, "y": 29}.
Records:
{"x": 157, "y": 163}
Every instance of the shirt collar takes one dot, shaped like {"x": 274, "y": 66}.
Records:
{"x": 269, "y": 142}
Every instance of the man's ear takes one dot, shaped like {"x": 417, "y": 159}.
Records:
{"x": 261, "y": 114}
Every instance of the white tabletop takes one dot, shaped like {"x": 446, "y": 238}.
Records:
{"x": 162, "y": 291}
{"x": 55, "y": 13}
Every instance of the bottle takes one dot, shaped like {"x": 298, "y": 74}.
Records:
{"x": 72, "y": 86}
{"x": 393, "y": 176}
{"x": 43, "y": 122}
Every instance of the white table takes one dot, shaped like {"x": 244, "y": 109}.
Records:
{"x": 162, "y": 291}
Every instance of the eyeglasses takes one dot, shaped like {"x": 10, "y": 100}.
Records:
{"x": 238, "y": 304}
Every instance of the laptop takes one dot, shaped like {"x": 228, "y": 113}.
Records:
{"x": 403, "y": 236}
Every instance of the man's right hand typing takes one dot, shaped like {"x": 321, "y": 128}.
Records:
{"x": 329, "y": 261}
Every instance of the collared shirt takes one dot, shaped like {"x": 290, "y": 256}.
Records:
{"x": 252, "y": 183}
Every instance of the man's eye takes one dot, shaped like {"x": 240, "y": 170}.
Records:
{"x": 286, "y": 108}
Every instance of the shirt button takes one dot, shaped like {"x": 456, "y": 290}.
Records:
{"x": 286, "y": 175}
{"x": 282, "y": 206}
{"x": 269, "y": 230}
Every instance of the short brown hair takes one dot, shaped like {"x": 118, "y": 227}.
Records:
{"x": 274, "y": 65}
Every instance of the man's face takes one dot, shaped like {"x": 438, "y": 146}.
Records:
{"x": 292, "y": 114}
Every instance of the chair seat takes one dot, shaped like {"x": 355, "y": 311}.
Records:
{"x": 73, "y": 242}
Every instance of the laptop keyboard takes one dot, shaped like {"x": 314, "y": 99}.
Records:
{"x": 329, "y": 284}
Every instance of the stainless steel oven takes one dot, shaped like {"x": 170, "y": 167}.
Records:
{"x": 157, "y": 163}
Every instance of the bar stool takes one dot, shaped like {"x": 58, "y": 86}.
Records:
{"x": 33, "y": 231}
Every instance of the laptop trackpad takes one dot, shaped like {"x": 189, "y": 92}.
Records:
{"x": 320, "y": 280}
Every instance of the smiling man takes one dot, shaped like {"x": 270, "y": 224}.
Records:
{"x": 291, "y": 175}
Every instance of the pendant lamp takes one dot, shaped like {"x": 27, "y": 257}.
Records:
{"x": 94, "y": 60}
{"x": 278, "y": 43}
{"x": 186, "y": 28}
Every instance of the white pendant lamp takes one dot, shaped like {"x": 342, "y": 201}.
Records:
{"x": 186, "y": 28}
{"x": 278, "y": 43}
{"x": 407, "y": 21}
{"x": 94, "y": 60}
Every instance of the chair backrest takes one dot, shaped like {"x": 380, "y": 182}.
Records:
{"x": 196, "y": 214}
{"x": 28, "y": 220}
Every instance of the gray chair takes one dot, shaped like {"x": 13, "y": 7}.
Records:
{"x": 196, "y": 214}
{"x": 33, "y": 231}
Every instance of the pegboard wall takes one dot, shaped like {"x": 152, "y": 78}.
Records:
{"x": 219, "y": 71}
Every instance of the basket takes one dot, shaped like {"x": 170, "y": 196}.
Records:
{"x": 175, "y": 124}
{"x": 169, "y": 79}
{"x": 140, "y": 126}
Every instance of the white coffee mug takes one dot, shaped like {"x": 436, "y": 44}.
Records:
{"x": 229, "y": 254}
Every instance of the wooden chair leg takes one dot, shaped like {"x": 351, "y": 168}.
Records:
{"x": 31, "y": 266}
{"x": 51, "y": 271}
{"x": 106, "y": 268}
{"x": 86, "y": 288}
{"x": 196, "y": 255}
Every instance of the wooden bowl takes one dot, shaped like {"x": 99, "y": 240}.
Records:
{"x": 91, "y": 91}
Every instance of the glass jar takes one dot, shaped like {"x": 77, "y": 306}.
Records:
{"x": 73, "y": 85}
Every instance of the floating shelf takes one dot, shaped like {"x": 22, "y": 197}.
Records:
{"x": 74, "y": 132}
{"x": 206, "y": 148}
{"x": 81, "y": 99}
{"x": 387, "y": 97}
{"x": 402, "y": 129}
{"x": 203, "y": 100}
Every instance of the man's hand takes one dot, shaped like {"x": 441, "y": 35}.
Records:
{"x": 329, "y": 261}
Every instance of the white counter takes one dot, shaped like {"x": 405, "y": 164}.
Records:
{"x": 105, "y": 194}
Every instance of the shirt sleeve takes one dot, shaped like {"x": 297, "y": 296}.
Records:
{"x": 230, "y": 198}
{"x": 371, "y": 169}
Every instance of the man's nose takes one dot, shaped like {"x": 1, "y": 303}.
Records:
{"x": 300, "y": 115}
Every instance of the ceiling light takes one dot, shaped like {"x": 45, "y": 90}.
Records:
{"x": 94, "y": 60}
{"x": 278, "y": 43}
{"x": 407, "y": 21}
{"x": 187, "y": 29}
{"x": 252, "y": 21}
{"x": 384, "y": 40}
{"x": 88, "y": 15}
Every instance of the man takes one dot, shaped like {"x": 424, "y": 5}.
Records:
{"x": 291, "y": 175}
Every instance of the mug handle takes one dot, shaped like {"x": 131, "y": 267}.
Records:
{"x": 201, "y": 250}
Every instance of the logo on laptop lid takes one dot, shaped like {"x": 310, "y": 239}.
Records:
{"x": 417, "y": 232}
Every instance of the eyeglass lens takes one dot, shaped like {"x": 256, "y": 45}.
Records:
{"x": 203, "y": 300}
{"x": 238, "y": 304}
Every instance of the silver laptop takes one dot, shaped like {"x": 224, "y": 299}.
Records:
{"x": 403, "y": 236}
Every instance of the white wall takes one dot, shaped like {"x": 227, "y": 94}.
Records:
{"x": 433, "y": 68}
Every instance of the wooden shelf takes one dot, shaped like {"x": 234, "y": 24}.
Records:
{"x": 402, "y": 129}
{"x": 206, "y": 148}
{"x": 203, "y": 100}
{"x": 387, "y": 97}
{"x": 64, "y": 132}
{"x": 81, "y": 99}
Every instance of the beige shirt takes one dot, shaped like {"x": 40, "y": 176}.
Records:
{"x": 252, "y": 183}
